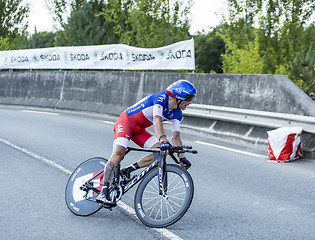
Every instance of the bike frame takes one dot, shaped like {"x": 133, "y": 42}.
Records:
{"x": 159, "y": 161}
{"x": 157, "y": 157}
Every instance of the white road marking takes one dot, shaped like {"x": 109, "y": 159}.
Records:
{"x": 36, "y": 156}
{"x": 108, "y": 122}
{"x": 166, "y": 233}
{"x": 163, "y": 231}
{"x": 232, "y": 149}
{"x": 40, "y": 112}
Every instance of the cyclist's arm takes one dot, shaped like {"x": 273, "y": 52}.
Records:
{"x": 158, "y": 128}
{"x": 157, "y": 122}
{"x": 176, "y": 141}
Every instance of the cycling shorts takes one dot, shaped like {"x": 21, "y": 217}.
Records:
{"x": 125, "y": 130}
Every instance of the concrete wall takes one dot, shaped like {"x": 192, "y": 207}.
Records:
{"x": 111, "y": 92}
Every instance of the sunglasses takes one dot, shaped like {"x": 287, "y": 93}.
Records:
{"x": 189, "y": 98}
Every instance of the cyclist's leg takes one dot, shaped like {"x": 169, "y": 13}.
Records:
{"x": 146, "y": 140}
{"x": 116, "y": 157}
{"x": 147, "y": 160}
{"x": 122, "y": 131}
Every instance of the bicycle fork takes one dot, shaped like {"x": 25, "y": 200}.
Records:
{"x": 162, "y": 175}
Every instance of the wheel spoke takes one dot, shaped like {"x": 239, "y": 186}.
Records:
{"x": 150, "y": 200}
{"x": 176, "y": 185}
{"x": 163, "y": 207}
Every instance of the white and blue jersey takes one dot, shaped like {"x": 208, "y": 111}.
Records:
{"x": 141, "y": 113}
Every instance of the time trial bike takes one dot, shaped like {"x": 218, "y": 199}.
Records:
{"x": 161, "y": 199}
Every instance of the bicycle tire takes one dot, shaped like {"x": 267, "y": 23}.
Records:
{"x": 180, "y": 192}
{"x": 74, "y": 196}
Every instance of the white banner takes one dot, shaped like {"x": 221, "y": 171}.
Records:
{"x": 179, "y": 55}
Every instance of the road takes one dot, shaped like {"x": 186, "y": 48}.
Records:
{"x": 238, "y": 194}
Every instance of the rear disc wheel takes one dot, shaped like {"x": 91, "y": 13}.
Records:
{"x": 80, "y": 200}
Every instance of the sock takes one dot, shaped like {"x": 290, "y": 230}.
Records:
{"x": 105, "y": 188}
{"x": 132, "y": 167}
{"x": 135, "y": 166}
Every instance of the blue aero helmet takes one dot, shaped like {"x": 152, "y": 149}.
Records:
{"x": 182, "y": 90}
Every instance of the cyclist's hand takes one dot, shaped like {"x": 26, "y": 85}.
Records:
{"x": 184, "y": 163}
{"x": 165, "y": 147}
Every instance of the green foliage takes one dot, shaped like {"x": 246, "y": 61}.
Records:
{"x": 5, "y": 44}
{"x": 242, "y": 60}
{"x": 86, "y": 27}
{"x": 302, "y": 68}
{"x": 147, "y": 23}
{"x": 208, "y": 50}
{"x": 13, "y": 24}
{"x": 283, "y": 31}
{"x": 43, "y": 39}
{"x": 12, "y": 17}
{"x": 37, "y": 40}
{"x": 239, "y": 24}
{"x": 273, "y": 31}
{"x": 61, "y": 10}
{"x": 142, "y": 23}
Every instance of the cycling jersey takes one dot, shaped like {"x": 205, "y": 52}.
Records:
{"x": 133, "y": 121}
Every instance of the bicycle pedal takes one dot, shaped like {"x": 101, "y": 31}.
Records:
{"x": 108, "y": 207}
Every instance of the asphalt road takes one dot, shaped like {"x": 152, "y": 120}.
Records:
{"x": 237, "y": 195}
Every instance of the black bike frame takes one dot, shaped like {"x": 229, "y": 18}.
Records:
{"x": 159, "y": 161}
{"x": 138, "y": 177}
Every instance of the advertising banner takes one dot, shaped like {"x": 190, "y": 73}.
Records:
{"x": 179, "y": 55}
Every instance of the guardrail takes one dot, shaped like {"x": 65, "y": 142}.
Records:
{"x": 251, "y": 117}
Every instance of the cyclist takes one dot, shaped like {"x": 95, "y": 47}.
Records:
{"x": 132, "y": 124}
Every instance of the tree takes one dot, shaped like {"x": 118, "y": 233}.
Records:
{"x": 142, "y": 23}
{"x": 208, "y": 50}
{"x": 281, "y": 27}
{"x": 13, "y": 15}
{"x": 282, "y": 31}
{"x": 302, "y": 68}
{"x": 37, "y": 40}
{"x": 239, "y": 23}
{"x": 83, "y": 25}
{"x": 5, "y": 44}
{"x": 42, "y": 39}
{"x": 61, "y": 10}
{"x": 147, "y": 23}
{"x": 86, "y": 27}
{"x": 245, "y": 60}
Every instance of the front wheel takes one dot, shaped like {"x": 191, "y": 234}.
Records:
{"x": 156, "y": 210}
